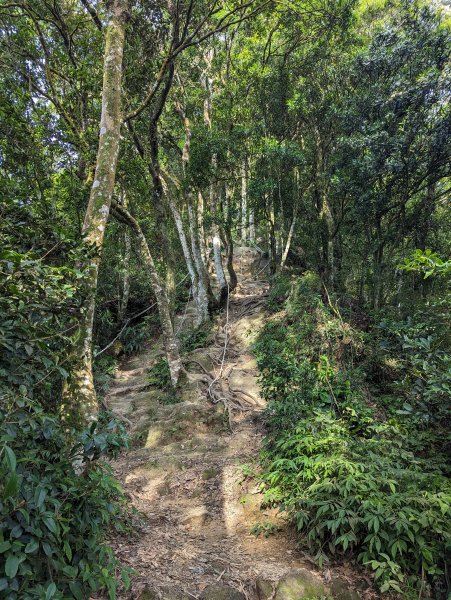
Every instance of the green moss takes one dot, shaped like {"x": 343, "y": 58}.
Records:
{"x": 209, "y": 473}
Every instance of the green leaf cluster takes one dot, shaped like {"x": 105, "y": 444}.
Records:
{"x": 343, "y": 460}
{"x": 57, "y": 502}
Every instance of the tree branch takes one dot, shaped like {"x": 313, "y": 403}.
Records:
{"x": 93, "y": 14}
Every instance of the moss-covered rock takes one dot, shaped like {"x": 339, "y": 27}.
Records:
{"x": 219, "y": 591}
{"x": 300, "y": 584}
{"x": 264, "y": 588}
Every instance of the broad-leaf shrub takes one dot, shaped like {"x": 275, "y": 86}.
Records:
{"x": 38, "y": 307}
{"x": 57, "y": 500}
{"x": 353, "y": 475}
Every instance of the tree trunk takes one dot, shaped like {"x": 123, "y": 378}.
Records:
{"x": 244, "y": 234}
{"x": 328, "y": 242}
{"x": 272, "y": 239}
{"x": 205, "y": 290}
{"x": 217, "y": 254}
{"x": 201, "y": 229}
{"x": 164, "y": 310}
{"x": 202, "y": 291}
{"x": 233, "y": 280}
{"x": 220, "y": 275}
{"x": 126, "y": 280}
{"x": 189, "y": 264}
{"x": 79, "y": 394}
{"x": 252, "y": 225}
{"x": 207, "y": 84}
{"x": 289, "y": 238}
{"x": 161, "y": 214}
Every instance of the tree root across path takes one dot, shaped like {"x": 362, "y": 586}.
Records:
{"x": 186, "y": 477}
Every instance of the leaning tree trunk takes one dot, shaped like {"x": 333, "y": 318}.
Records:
{"x": 289, "y": 238}
{"x": 202, "y": 292}
{"x": 125, "y": 292}
{"x": 79, "y": 395}
{"x": 159, "y": 290}
{"x": 196, "y": 286}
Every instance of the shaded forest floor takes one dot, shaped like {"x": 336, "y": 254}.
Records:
{"x": 186, "y": 473}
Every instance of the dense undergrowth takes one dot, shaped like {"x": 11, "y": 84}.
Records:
{"x": 356, "y": 446}
{"x": 58, "y": 499}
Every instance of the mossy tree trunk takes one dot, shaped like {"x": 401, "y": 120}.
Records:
{"x": 79, "y": 395}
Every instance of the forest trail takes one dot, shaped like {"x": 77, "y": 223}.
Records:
{"x": 187, "y": 475}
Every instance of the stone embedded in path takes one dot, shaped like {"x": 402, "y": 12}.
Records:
{"x": 196, "y": 517}
{"x": 265, "y": 588}
{"x": 341, "y": 591}
{"x": 297, "y": 584}
{"x": 220, "y": 591}
{"x": 164, "y": 593}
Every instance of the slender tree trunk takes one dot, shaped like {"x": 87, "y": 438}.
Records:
{"x": 252, "y": 225}
{"x": 217, "y": 254}
{"x": 164, "y": 309}
{"x": 378, "y": 283}
{"x": 244, "y": 216}
{"x": 202, "y": 291}
{"x": 272, "y": 238}
{"x": 125, "y": 292}
{"x": 327, "y": 221}
{"x": 189, "y": 263}
{"x": 207, "y": 84}
{"x": 79, "y": 394}
{"x": 289, "y": 238}
{"x": 233, "y": 280}
{"x": 204, "y": 277}
{"x": 201, "y": 229}
{"x": 126, "y": 277}
{"x": 161, "y": 213}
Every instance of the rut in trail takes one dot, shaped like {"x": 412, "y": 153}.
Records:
{"x": 187, "y": 477}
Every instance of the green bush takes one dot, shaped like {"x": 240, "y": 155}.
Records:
{"x": 38, "y": 309}
{"x": 104, "y": 368}
{"x": 159, "y": 375}
{"x": 57, "y": 502}
{"x": 198, "y": 338}
{"x": 353, "y": 475}
{"x": 58, "y": 499}
{"x": 135, "y": 336}
{"x": 280, "y": 289}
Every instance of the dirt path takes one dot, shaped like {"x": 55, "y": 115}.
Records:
{"x": 187, "y": 478}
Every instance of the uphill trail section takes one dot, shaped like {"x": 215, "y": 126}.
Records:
{"x": 185, "y": 474}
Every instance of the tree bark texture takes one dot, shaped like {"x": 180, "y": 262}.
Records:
{"x": 159, "y": 290}
{"x": 79, "y": 395}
